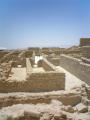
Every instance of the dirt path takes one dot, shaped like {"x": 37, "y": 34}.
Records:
{"x": 71, "y": 80}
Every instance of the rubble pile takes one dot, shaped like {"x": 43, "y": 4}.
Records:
{"x": 35, "y": 106}
{"x": 53, "y": 111}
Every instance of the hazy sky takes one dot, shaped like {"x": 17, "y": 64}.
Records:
{"x": 41, "y": 23}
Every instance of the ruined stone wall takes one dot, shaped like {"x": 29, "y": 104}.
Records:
{"x": 84, "y": 41}
{"x": 5, "y": 69}
{"x": 6, "y": 57}
{"x": 11, "y": 56}
{"x": 19, "y": 61}
{"x": 54, "y": 61}
{"x": 47, "y": 81}
{"x": 36, "y": 82}
{"x": 53, "y": 50}
{"x": 39, "y": 63}
{"x": 66, "y": 98}
{"x": 86, "y": 51}
{"x": 76, "y": 67}
{"x": 28, "y": 53}
{"x": 28, "y": 66}
{"x": 47, "y": 65}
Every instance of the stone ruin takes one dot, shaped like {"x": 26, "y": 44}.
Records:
{"x": 34, "y": 82}
{"x": 43, "y": 77}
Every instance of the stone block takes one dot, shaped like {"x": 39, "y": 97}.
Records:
{"x": 81, "y": 108}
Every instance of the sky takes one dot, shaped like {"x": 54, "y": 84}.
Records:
{"x": 43, "y": 23}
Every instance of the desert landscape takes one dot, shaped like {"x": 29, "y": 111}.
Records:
{"x": 48, "y": 83}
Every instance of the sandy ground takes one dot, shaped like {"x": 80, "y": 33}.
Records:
{"x": 38, "y": 69}
{"x": 71, "y": 80}
{"x": 18, "y": 74}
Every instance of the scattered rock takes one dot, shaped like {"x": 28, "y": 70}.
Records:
{"x": 46, "y": 116}
{"x": 81, "y": 108}
{"x": 56, "y": 102}
{"x": 68, "y": 108}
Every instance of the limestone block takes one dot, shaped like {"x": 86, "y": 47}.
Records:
{"x": 32, "y": 113}
{"x": 68, "y": 108}
{"x": 81, "y": 108}
{"x": 46, "y": 116}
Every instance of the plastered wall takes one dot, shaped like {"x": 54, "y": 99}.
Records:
{"x": 76, "y": 67}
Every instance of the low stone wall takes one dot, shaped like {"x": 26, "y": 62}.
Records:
{"x": 47, "y": 81}
{"x": 76, "y": 67}
{"x": 28, "y": 66}
{"x": 5, "y": 69}
{"x": 47, "y": 65}
{"x": 28, "y": 53}
{"x": 67, "y": 98}
{"x": 36, "y": 82}
{"x": 21, "y": 62}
